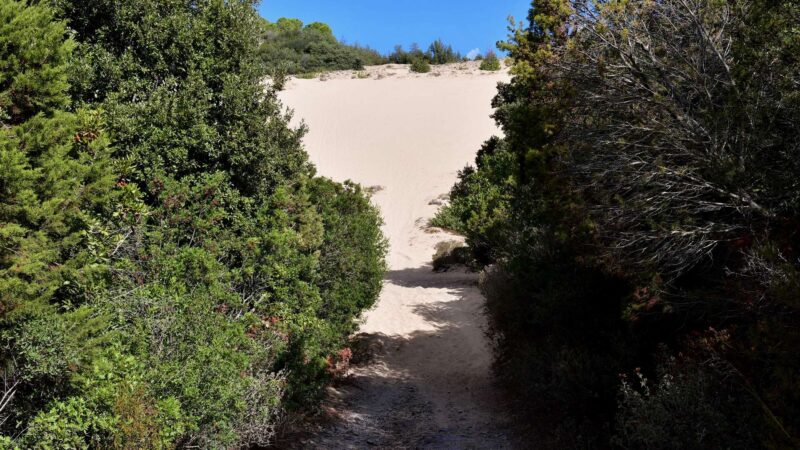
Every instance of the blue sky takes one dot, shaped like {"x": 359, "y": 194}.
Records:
{"x": 465, "y": 24}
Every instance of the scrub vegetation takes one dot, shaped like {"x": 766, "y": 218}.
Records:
{"x": 639, "y": 224}
{"x": 438, "y": 53}
{"x": 290, "y": 47}
{"x": 491, "y": 62}
{"x": 172, "y": 271}
{"x": 299, "y": 48}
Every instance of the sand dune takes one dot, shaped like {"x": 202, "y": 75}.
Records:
{"x": 429, "y": 385}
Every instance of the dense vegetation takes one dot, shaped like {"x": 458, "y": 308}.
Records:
{"x": 172, "y": 273}
{"x": 288, "y": 44}
{"x": 639, "y": 223}
{"x": 491, "y": 62}
{"x": 420, "y": 66}
{"x": 290, "y": 47}
{"x": 438, "y": 53}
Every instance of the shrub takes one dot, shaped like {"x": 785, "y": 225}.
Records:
{"x": 310, "y": 48}
{"x": 349, "y": 276}
{"x": 595, "y": 209}
{"x": 441, "y": 53}
{"x": 447, "y": 218}
{"x": 490, "y": 62}
{"x": 189, "y": 288}
{"x": 420, "y": 66}
{"x": 438, "y": 53}
{"x": 62, "y": 211}
{"x": 553, "y": 346}
{"x": 352, "y": 252}
{"x": 34, "y": 56}
{"x": 688, "y": 406}
{"x": 480, "y": 202}
{"x": 280, "y": 76}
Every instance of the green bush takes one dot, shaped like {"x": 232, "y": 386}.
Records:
{"x": 594, "y": 213}
{"x": 420, "y": 66}
{"x": 480, "y": 207}
{"x": 447, "y": 218}
{"x": 686, "y": 407}
{"x": 310, "y": 48}
{"x": 171, "y": 271}
{"x": 280, "y": 76}
{"x": 62, "y": 212}
{"x": 438, "y": 53}
{"x": 349, "y": 278}
{"x": 490, "y": 62}
{"x": 441, "y": 53}
{"x": 554, "y": 346}
{"x": 352, "y": 252}
{"x": 34, "y": 55}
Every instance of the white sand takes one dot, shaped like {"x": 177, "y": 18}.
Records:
{"x": 430, "y": 384}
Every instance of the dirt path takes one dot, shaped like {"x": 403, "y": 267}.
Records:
{"x": 429, "y": 383}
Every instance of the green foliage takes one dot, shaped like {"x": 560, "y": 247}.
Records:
{"x": 687, "y": 407}
{"x": 308, "y": 75}
{"x": 490, "y": 62}
{"x": 480, "y": 202}
{"x": 438, "y": 53}
{"x": 280, "y": 76}
{"x": 286, "y": 25}
{"x": 595, "y": 213}
{"x": 420, "y": 65}
{"x": 68, "y": 424}
{"x": 33, "y": 54}
{"x": 352, "y": 253}
{"x": 171, "y": 272}
{"x": 59, "y": 192}
{"x": 61, "y": 213}
{"x": 400, "y": 56}
{"x": 561, "y": 344}
{"x": 448, "y": 219}
{"x": 312, "y": 48}
{"x": 322, "y": 28}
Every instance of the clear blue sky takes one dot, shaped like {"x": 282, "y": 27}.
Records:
{"x": 465, "y": 24}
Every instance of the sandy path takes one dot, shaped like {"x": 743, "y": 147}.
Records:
{"x": 429, "y": 383}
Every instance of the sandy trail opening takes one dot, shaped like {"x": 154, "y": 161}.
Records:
{"x": 429, "y": 383}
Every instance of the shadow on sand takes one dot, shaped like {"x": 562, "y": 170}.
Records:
{"x": 423, "y": 390}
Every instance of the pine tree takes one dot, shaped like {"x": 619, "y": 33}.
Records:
{"x": 33, "y": 55}
{"x": 57, "y": 195}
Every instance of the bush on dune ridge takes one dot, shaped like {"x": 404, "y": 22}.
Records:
{"x": 173, "y": 274}
{"x": 640, "y": 219}
{"x": 490, "y": 62}
{"x": 420, "y": 66}
{"x": 438, "y": 53}
{"x": 306, "y": 49}
{"x": 310, "y": 48}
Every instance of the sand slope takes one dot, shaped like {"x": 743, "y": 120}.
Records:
{"x": 429, "y": 384}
